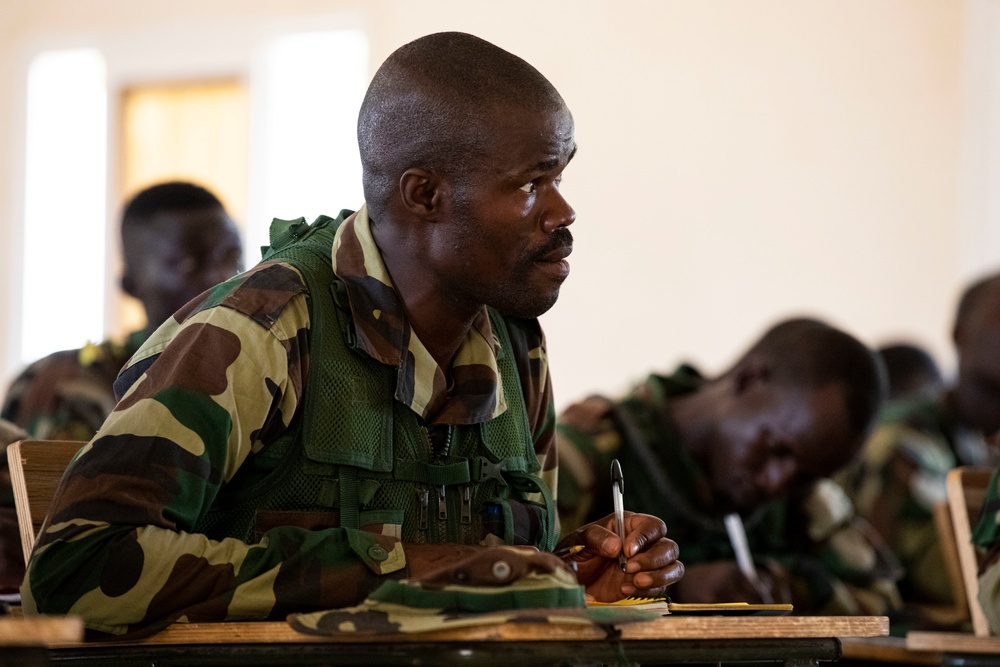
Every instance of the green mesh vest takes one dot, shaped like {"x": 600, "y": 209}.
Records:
{"x": 355, "y": 457}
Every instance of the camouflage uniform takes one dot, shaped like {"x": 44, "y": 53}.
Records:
{"x": 986, "y": 537}
{"x": 202, "y": 401}
{"x": 898, "y": 479}
{"x": 67, "y": 395}
{"x": 835, "y": 567}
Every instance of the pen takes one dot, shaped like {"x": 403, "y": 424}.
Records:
{"x": 617, "y": 493}
{"x": 569, "y": 551}
{"x": 738, "y": 538}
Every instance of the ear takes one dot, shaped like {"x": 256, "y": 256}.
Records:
{"x": 749, "y": 374}
{"x": 421, "y": 192}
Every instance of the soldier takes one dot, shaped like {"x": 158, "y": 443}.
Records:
{"x": 901, "y": 473}
{"x": 758, "y": 441}
{"x": 912, "y": 371}
{"x": 178, "y": 241}
{"x": 309, "y": 429}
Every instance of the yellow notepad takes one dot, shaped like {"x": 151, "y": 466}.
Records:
{"x": 665, "y": 606}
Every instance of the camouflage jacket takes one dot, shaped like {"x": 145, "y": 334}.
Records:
{"x": 213, "y": 387}
{"x": 67, "y": 395}
{"x": 835, "y": 567}
{"x": 898, "y": 479}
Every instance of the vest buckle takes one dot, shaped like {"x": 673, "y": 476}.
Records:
{"x": 486, "y": 469}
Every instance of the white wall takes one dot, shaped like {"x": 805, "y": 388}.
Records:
{"x": 740, "y": 160}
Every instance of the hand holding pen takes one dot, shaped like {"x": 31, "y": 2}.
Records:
{"x": 624, "y": 554}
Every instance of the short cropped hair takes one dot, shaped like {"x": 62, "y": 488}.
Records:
{"x": 172, "y": 197}
{"x": 976, "y": 299}
{"x": 424, "y": 108}
{"x": 809, "y": 354}
{"x": 908, "y": 368}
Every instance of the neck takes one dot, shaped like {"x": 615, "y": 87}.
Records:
{"x": 441, "y": 323}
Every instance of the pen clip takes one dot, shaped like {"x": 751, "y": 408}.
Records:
{"x": 616, "y": 476}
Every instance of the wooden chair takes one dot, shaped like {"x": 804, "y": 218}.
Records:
{"x": 36, "y": 466}
{"x": 956, "y": 614}
{"x": 966, "y": 494}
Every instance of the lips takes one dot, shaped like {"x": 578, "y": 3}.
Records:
{"x": 556, "y": 254}
{"x": 553, "y": 264}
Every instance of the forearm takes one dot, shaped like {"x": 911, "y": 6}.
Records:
{"x": 120, "y": 579}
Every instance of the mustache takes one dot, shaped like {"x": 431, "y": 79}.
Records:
{"x": 561, "y": 238}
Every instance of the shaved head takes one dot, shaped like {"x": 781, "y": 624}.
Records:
{"x": 976, "y": 395}
{"x": 425, "y": 108}
{"x": 807, "y": 353}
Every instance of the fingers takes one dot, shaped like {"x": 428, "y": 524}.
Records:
{"x": 598, "y": 540}
{"x": 650, "y": 572}
{"x": 642, "y": 530}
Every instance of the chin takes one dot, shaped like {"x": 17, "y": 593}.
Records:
{"x": 527, "y": 306}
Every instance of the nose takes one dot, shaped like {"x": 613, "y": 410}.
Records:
{"x": 558, "y": 214}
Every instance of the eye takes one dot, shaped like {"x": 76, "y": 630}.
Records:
{"x": 528, "y": 187}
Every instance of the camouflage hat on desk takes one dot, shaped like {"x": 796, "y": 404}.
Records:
{"x": 501, "y": 585}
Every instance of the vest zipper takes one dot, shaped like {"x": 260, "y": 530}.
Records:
{"x": 466, "y": 504}
{"x": 442, "y": 503}
{"x": 442, "y": 533}
{"x": 424, "y": 498}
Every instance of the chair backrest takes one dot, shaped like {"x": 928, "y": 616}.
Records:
{"x": 944, "y": 529}
{"x": 966, "y": 494}
{"x": 36, "y": 466}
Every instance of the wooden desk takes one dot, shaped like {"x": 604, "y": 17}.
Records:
{"x": 957, "y": 648}
{"x": 793, "y": 640}
{"x": 24, "y": 641}
{"x": 884, "y": 651}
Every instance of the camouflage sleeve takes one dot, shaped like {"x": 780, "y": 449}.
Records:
{"x": 895, "y": 486}
{"x": 119, "y": 548}
{"x": 587, "y": 440}
{"x": 846, "y": 569}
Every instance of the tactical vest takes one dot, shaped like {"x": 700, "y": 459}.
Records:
{"x": 355, "y": 457}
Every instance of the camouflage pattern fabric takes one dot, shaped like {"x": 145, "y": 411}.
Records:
{"x": 410, "y": 606}
{"x": 67, "y": 395}
{"x": 899, "y": 478}
{"x": 835, "y": 563}
{"x": 986, "y": 537}
{"x": 207, "y": 392}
